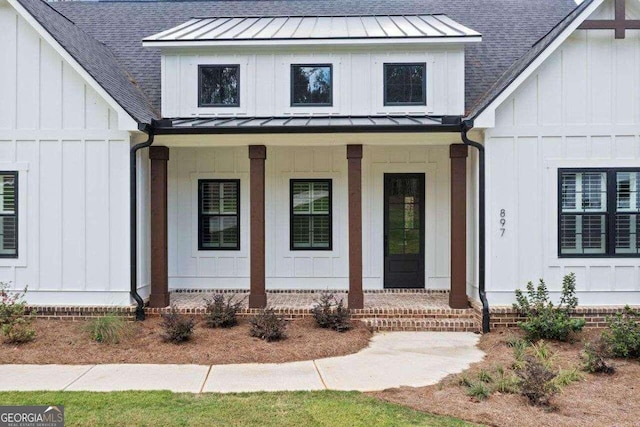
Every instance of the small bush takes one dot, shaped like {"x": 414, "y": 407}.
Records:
{"x": 479, "y": 390}
{"x": 15, "y": 321}
{"x": 464, "y": 380}
{"x": 484, "y": 376}
{"x": 331, "y": 313}
{"x": 18, "y": 331}
{"x": 567, "y": 376}
{"x": 623, "y": 336}
{"x": 177, "y": 327}
{"x": 268, "y": 326}
{"x": 107, "y": 329}
{"x": 221, "y": 312}
{"x": 595, "y": 357}
{"x": 537, "y": 382}
{"x": 506, "y": 383}
{"x": 519, "y": 352}
{"x": 544, "y": 319}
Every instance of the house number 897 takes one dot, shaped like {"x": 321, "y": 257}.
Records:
{"x": 503, "y": 222}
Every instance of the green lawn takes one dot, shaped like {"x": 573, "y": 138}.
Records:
{"x": 299, "y": 409}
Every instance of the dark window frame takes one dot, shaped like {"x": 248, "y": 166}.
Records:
{"x": 203, "y": 66}
{"x": 610, "y": 213}
{"x": 15, "y": 214}
{"x": 329, "y": 215}
{"x": 384, "y": 83}
{"x": 201, "y": 215}
{"x": 291, "y": 86}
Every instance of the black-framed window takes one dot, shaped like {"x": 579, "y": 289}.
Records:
{"x": 405, "y": 84}
{"x": 311, "y": 85}
{"x": 8, "y": 214}
{"x": 599, "y": 212}
{"x": 311, "y": 214}
{"x": 219, "y": 214}
{"x": 218, "y": 85}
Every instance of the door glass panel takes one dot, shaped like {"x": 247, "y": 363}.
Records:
{"x": 404, "y": 215}
{"x": 396, "y": 242}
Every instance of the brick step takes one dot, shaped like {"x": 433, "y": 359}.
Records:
{"x": 427, "y": 325}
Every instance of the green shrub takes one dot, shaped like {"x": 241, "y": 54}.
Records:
{"x": 520, "y": 347}
{"x": 544, "y": 319}
{"x": 484, "y": 376}
{"x": 506, "y": 382}
{"x": 177, "y": 328}
{"x": 537, "y": 382}
{"x": 479, "y": 390}
{"x": 331, "y": 313}
{"x": 15, "y": 320}
{"x": 567, "y": 376}
{"x": 107, "y": 329}
{"x": 268, "y": 326}
{"x": 221, "y": 312}
{"x": 623, "y": 336}
{"x": 595, "y": 357}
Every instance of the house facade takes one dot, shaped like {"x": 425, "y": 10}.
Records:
{"x": 150, "y": 147}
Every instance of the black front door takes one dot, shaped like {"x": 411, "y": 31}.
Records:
{"x": 404, "y": 230}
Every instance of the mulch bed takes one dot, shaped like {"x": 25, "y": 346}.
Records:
{"x": 598, "y": 400}
{"x": 67, "y": 342}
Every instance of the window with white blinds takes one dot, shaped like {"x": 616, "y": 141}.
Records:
{"x": 598, "y": 212}
{"x": 9, "y": 215}
{"x": 311, "y": 214}
{"x": 218, "y": 214}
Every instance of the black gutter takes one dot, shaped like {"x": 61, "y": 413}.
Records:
{"x": 133, "y": 217}
{"x": 466, "y": 126}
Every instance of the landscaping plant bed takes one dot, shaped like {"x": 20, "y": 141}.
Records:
{"x": 595, "y": 400}
{"x": 67, "y": 342}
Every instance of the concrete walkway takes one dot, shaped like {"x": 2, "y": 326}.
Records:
{"x": 392, "y": 359}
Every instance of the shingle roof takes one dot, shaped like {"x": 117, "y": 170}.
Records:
{"x": 510, "y": 28}
{"x": 524, "y": 61}
{"x": 97, "y": 59}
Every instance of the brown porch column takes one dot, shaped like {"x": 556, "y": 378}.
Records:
{"x": 257, "y": 293}
{"x": 354, "y": 158}
{"x": 159, "y": 254}
{"x": 458, "y": 295}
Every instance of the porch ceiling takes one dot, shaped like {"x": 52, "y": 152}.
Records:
{"x": 308, "y": 124}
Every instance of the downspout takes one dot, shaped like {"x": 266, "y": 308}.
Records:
{"x": 133, "y": 217}
{"x": 466, "y": 126}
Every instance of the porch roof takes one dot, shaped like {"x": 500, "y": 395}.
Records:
{"x": 308, "y": 124}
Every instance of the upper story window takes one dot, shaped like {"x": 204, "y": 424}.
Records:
{"x": 8, "y": 214}
{"x": 218, "y": 86}
{"x": 599, "y": 212}
{"x": 219, "y": 214}
{"x": 312, "y": 85}
{"x": 405, "y": 84}
{"x": 311, "y": 214}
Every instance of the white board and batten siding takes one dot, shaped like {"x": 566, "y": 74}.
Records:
{"x": 581, "y": 109}
{"x": 286, "y": 269}
{"x": 357, "y": 81}
{"x": 72, "y": 160}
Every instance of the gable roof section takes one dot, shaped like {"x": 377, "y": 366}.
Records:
{"x": 508, "y": 82}
{"x": 509, "y": 28}
{"x": 95, "y": 58}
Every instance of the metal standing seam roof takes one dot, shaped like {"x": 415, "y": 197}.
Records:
{"x": 316, "y": 27}
{"x": 302, "y": 124}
